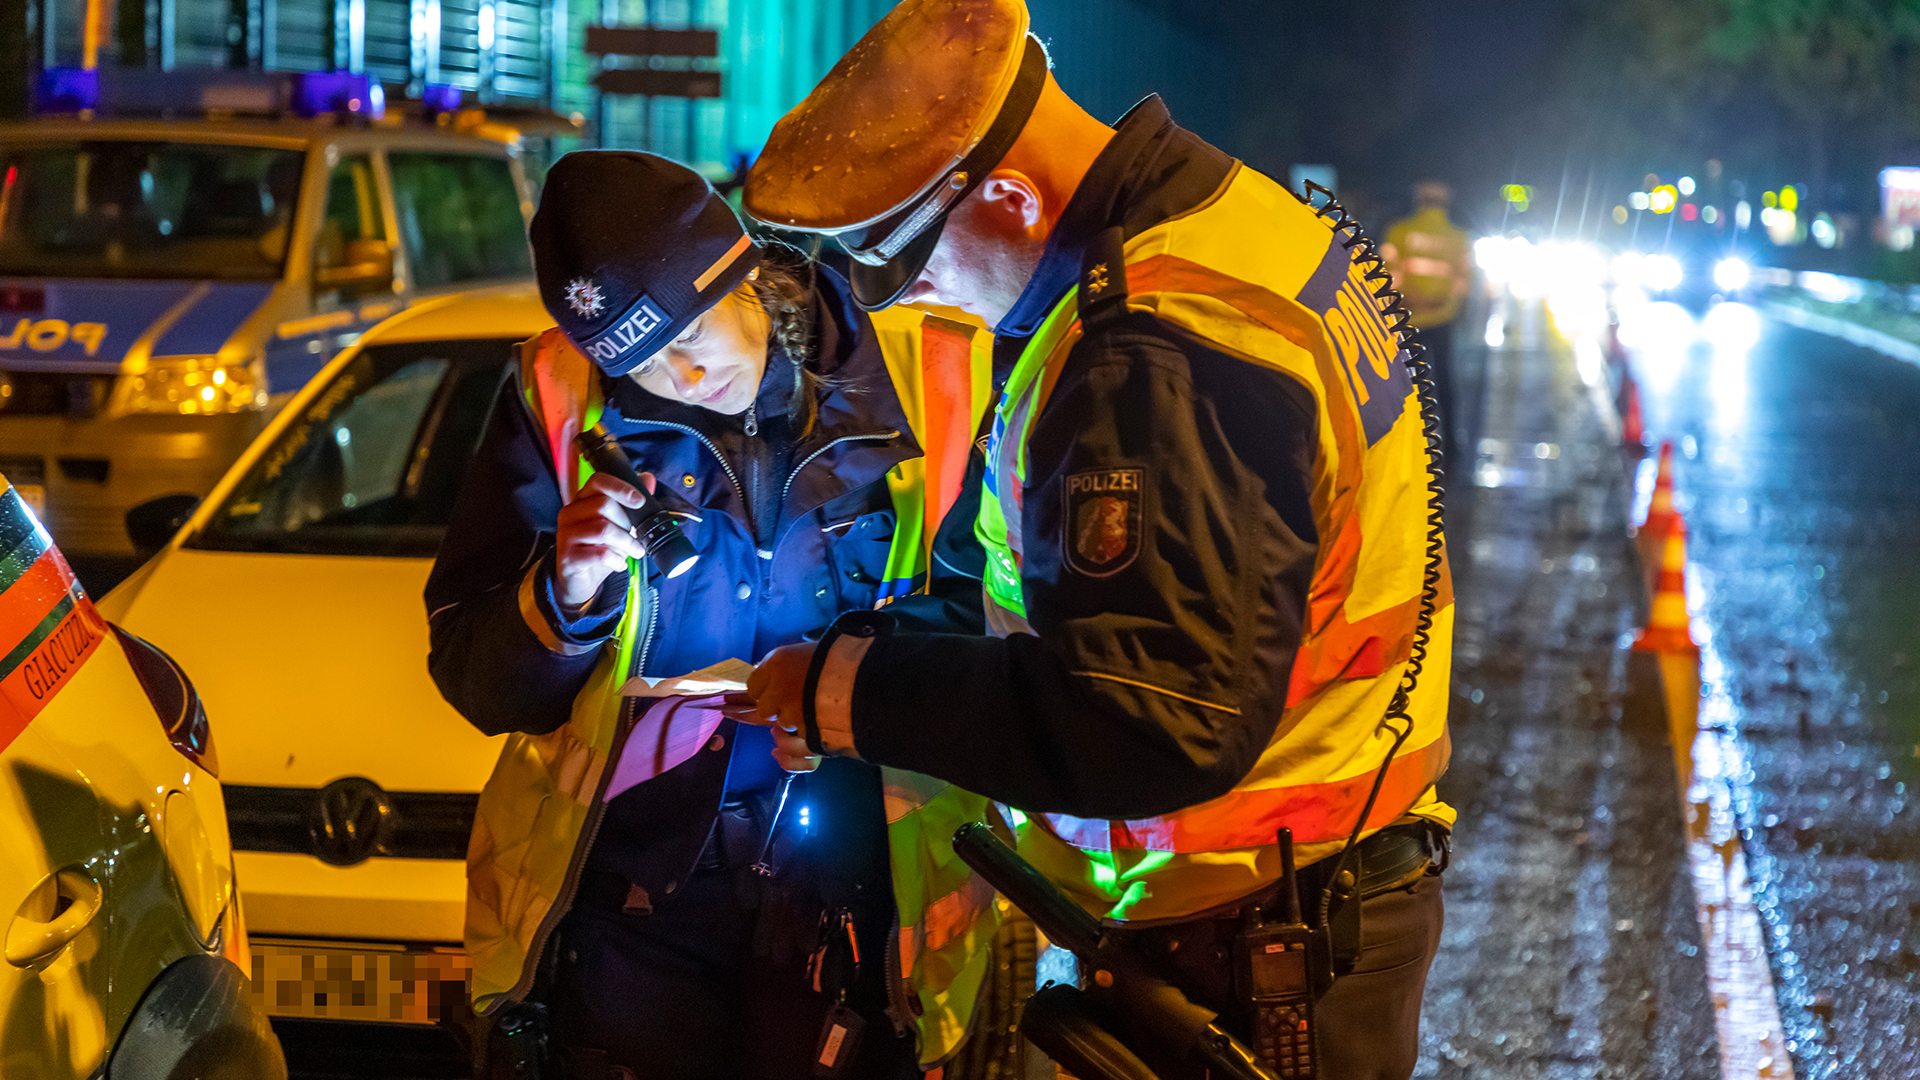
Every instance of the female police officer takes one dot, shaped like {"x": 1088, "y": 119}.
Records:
{"x": 688, "y": 925}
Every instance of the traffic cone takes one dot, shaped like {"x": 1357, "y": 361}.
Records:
{"x": 1633, "y": 432}
{"x": 1669, "y": 638}
{"x": 1667, "y": 629}
{"x": 1650, "y": 535}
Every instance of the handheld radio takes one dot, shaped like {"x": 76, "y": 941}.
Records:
{"x": 1284, "y": 965}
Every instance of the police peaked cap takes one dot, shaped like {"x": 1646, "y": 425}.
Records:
{"x": 905, "y": 126}
{"x": 629, "y": 248}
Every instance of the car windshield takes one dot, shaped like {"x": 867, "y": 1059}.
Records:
{"x": 127, "y": 209}
{"x": 373, "y": 463}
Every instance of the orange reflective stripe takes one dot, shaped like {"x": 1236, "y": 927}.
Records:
{"x": 946, "y": 381}
{"x": 32, "y": 596}
{"x": 1317, "y": 813}
{"x": 562, "y": 380}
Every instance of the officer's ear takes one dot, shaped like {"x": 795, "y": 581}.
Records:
{"x": 1012, "y": 200}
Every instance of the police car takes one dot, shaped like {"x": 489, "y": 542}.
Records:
{"x": 182, "y": 251}
{"x": 294, "y": 595}
{"x": 126, "y": 956}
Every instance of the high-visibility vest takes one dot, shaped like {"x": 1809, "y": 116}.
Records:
{"x": 1429, "y": 264}
{"x": 1257, "y": 275}
{"x": 543, "y": 802}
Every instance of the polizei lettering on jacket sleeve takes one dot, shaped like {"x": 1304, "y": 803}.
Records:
{"x": 630, "y": 333}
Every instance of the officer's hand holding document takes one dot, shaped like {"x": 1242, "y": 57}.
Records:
{"x": 682, "y": 716}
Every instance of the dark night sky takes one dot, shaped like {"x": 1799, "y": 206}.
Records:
{"x": 1387, "y": 90}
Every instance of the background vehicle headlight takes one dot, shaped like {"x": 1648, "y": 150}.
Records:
{"x": 1661, "y": 273}
{"x": 175, "y": 385}
{"x": 1732, "y": 274}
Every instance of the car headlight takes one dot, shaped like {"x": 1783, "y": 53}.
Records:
{"x": 175, "y": 385}
{"x": 1732, "y": 274}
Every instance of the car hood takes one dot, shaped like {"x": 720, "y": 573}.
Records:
{"x": 76, "y": 324}
{"x": 311, "y": 667}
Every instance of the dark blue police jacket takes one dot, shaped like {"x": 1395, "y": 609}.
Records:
{"x": 791, "y": 533}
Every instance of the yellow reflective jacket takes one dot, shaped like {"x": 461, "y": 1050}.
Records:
{"x": 1255, "y": 274}
{"x": 541, "y": 807}
{"x": 1428, "y": 257}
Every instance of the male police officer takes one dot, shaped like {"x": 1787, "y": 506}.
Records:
{"x": 1428, "y": 257}
{"x": 1205, "y": 518}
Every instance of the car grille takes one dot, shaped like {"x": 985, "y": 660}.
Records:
{"x": 415, "y": 825}
{"x": 53, "y": 393}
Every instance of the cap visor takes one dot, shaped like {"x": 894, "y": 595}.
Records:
{"x": 876, "y": 287}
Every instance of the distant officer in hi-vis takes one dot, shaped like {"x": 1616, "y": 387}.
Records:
{"x": 1209, "y": 563}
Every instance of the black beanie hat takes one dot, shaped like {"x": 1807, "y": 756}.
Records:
{"x": 629, "y": 248}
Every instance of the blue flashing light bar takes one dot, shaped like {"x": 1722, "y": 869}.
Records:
{"x": 440, "y": 98}
{"x": 319, "y": 92}
{"x": 67, "y": 89}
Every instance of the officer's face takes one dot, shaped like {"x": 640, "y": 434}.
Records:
{"x": 717, "y": 361}
{"x": 991, "y": 244}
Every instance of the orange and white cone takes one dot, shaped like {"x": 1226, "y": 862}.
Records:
{"x": 1669, "y": 637}
{"x": 1633, "y": 432}
{"x": 1667, "y": 628}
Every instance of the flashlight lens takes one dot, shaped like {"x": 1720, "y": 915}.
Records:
{"x": 683, "y": 566}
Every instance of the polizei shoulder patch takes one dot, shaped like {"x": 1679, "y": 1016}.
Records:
{"x": 1103, "y": 520}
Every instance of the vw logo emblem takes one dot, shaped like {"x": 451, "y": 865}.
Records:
{"x": 350, "y": 821}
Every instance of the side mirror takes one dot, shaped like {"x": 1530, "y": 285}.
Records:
{"x": 367, "y": 266}
{"x": 152, "y": 524}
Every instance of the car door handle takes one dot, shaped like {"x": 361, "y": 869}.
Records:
{"x": 53, "y": 914}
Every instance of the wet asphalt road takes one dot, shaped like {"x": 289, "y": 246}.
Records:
{"x": 1798, "y": 467}
{"x": 1571, "y": 947}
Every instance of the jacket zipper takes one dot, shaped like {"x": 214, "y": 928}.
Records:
{"x": 717, "y": 455}
{"x": 898, "y": 1008}
{"x": 890, "y": 433}
{"x": 564, "y": 902}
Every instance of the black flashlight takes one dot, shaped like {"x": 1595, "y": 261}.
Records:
{"x": 650, "y": 523}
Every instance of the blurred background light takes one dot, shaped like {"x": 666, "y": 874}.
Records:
{"x": 1731, "y": 326}
{"x": 1823, "y": 232}
{"x": 1662, "y": 273}
{"x": 1686, "y": 185}
{"x": 1627, "y": 268}
{"x": 1732, "y": 274}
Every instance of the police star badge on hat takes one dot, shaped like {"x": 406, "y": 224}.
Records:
{"x": 629, "y": 248}
{"x": 902, "y": 129}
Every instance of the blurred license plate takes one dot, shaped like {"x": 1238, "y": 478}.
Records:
{"x": 35, "y": 496}
{"x": 360, "y": 981}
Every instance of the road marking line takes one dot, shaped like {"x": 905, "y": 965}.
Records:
{"x": 1746, "y": 1011}
{"x": 1880, "y": 342}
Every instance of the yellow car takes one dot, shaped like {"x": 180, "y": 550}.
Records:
{"x": 294, "y": 595}
{"x": 125, "y": 952}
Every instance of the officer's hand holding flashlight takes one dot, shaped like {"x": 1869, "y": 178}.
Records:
{"x": 593, "y": 539}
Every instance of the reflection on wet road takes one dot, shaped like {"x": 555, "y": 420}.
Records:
{"x": 1799, "y": 470}
{"x": 1572, "y": 947}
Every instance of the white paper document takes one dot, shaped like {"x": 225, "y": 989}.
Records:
{"x": 724, "y": 677}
